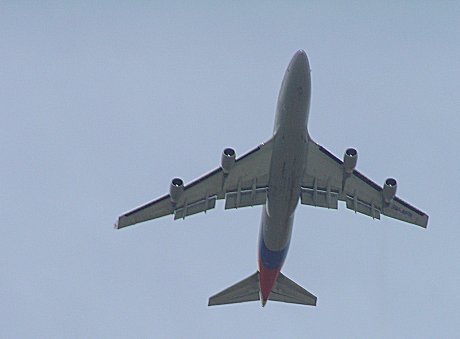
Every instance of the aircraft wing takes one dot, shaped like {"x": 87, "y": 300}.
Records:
{"x": 325, "y": 182}
{"x": 245, "y": 184}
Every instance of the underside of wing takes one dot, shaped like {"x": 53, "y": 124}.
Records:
{"x": 241, "y": 182}
{"x": 155, "y": 209}
{"x": 328, "y": 180}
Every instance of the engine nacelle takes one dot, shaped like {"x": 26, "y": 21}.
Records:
{"x": 176, "y": 189}
{"x": 350, "y": 159}
{"x": 227, "y": 160}
{"x": 389, "y": 190}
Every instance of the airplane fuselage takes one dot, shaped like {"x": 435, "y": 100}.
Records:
{"x": 286, "y": 169}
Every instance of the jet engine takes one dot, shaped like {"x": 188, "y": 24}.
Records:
{"x": 389, "y": 190}
{"x": 228, "y": 160}
{"x": 350, "y": 159}
{"x": 176, "y": 189}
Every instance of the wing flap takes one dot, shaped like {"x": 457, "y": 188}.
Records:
{"x": 197, "y": 207}
{"x": 319, "y": 197}
{"x": 359, "y": 206}
{"x": 255, "y": 196}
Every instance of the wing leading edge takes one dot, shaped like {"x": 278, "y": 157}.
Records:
{"x": 325, "y": 182}
{"x": 244, "y": 185}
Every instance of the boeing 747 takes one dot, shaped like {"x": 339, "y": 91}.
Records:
{"x": 288, "y": 168}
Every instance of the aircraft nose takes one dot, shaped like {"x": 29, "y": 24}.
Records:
{"x": 299, "y": 62}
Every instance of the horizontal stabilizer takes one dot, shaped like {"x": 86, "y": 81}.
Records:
{"x": 285, "y": 290}
{"x": 289, "y": 292}
{"x": 245, "y": 290}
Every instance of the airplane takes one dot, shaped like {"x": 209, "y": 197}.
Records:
{"x": 287, "y": 168}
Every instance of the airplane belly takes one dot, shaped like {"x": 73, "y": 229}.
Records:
{"x": 284, "y": 189}
{"x": 287, "y": 162}
{"x": 276, "y": 232}
{"x": 286, "y": 170}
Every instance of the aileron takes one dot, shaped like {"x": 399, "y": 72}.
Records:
{"x": 152, "y": 210}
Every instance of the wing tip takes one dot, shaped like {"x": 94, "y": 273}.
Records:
{"x": 424, "y": 221}
{"x": 121, "y": 222}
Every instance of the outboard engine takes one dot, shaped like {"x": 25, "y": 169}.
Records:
{"x": 350, "y": 159}
{"x": 176, "y": 189}
{"x": 389, "y": 190}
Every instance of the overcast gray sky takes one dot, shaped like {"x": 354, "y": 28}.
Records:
{"x": 103, "y": 103}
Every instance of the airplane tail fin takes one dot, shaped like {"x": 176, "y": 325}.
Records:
{"x": 285, "y": 290}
